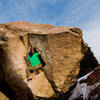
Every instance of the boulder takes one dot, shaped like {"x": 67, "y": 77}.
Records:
{"x": 62, "y": 51}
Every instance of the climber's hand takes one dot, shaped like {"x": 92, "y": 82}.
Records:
{"x": 29, "y": 49}
{"x": 40, "y": 52}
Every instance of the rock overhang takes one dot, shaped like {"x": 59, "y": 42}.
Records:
{"x": 26, "y": 27}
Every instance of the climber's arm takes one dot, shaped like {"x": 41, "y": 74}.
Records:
{"x": 40, "y": 52}
{"x": 29, "y": 52}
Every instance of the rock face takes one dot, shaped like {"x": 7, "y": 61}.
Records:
{"x": 62, "y": 50}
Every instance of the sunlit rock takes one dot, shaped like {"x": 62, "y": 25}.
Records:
{"x": 63, "y": 49}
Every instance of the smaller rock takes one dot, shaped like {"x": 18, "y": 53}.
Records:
{"x": 88, "y": 87}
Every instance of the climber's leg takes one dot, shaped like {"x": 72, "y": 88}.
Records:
{"x": 29, "y": 76}
{"x": 28, "y": 72}
{"x": 36, "y": 71}
{"x": 42, "y": 68}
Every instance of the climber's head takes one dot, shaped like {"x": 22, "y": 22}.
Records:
{"x": 35, "y": 50}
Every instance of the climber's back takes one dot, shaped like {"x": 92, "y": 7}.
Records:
{"x": 35, "y": 62}
{"x": 34, "y": 59}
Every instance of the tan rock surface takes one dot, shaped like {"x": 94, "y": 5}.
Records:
{"x": 62, "y": 49}
{"x": 66, "y": 52}
{"x": 3, "y": 97}
{"x": 40, "y": 86}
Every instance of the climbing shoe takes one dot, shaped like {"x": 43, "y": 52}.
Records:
{"x": 37, "y": 72}
{"x": 30, "y": 78}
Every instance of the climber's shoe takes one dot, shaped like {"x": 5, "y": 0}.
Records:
{"x": 36, "y": 72}
{"x": 42, "y": 69}
{"x": 29, "y": 78}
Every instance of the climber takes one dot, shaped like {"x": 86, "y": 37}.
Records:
{"x": 35, "y": 62}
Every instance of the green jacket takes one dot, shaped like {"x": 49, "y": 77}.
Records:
{"x": 34, "y": 60}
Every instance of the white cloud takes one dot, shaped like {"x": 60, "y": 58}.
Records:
{"x": 92, "y": 34}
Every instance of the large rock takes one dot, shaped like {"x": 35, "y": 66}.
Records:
{"x": 62, "y": 47}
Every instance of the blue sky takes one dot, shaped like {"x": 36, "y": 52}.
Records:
{"x": 84, "y": 14}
